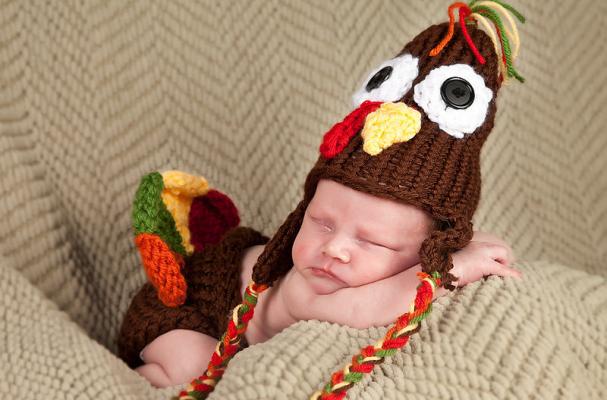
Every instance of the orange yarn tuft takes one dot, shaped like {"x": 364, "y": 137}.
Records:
{"x": 447, "y": 38}
{"x": 163, "y": 268}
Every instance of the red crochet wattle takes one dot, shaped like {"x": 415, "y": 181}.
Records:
{"x": 338, "y": 137}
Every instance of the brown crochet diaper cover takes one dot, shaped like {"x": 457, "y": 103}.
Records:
{"x": 213, "y": 279}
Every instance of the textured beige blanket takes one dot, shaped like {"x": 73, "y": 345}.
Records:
{"x": 543, "y": 338}
{"x": 96, "y": 93}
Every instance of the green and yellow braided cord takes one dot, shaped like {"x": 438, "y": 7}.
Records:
{"x": 229, "y": 345}
{"x": 396, "y": 337}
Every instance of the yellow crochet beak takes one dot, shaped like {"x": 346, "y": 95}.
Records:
{"x": 390, "y": 123}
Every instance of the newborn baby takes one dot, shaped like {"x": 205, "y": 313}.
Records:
{"x": 353, "y": 255}
{"x": 393, "y": 192}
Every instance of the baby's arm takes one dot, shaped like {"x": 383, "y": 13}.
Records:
{"x": 176, "y": 357}
{"x": 381, "y": 302}
{"x": 486, "y": 254}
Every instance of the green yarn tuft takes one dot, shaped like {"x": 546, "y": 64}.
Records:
{"x": 513, "y": 10}
{"x": 150, "y": 215}
{"x": 492, "y": 15}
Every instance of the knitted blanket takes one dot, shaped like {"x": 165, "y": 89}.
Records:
{"x": 94, "y": 94}
{"x": 540, "y": 338}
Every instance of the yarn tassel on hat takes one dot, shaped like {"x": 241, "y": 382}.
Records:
{"x": 480, "y": 11}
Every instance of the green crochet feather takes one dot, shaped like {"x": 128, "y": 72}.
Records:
{"x": 150, "y": 215}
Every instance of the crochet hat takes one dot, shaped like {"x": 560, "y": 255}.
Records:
{"x": 415, "y": 137}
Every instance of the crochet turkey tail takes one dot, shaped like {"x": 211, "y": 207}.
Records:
{"x": 175, "y": 214}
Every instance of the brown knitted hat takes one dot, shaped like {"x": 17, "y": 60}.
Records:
{"x": 434, "y": 170}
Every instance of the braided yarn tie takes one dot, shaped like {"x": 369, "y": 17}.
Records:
{"x": 396, "y": 337}
{"x": 364, "y": 362}
{"x": 229, "y": 345}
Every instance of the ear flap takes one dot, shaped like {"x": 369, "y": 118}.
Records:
{"x": 276, "y": 260}
{"x": 436, "y": 250}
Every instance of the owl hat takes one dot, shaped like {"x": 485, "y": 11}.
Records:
{"x": 414, "y": 137}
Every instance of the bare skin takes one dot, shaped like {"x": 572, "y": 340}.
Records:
{"x": 354, "y": 254}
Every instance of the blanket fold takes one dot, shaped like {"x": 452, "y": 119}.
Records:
{"x": 543, "y": 337}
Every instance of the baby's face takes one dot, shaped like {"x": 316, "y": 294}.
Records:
{"x": 356, "y": 238}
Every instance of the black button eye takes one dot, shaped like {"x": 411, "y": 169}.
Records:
{"x": 457, "y": 93}
{"x": 379, "y": 78}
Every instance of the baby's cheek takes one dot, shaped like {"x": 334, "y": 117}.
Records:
{"x": 370, "y": 267}
{"x": 370, "y": 264}
{"x": 300, "y": 251}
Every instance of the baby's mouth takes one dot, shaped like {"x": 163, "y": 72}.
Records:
{"x": 323, "y": 273}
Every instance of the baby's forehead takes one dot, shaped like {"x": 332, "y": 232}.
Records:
{"x": 376, "y": 213}
{"x": 377, "y": 221}
{"x": 405, "y": 222}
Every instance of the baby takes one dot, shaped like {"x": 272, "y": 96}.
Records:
{"x": 353, "y": 255}
{"x": 393, "y": 192}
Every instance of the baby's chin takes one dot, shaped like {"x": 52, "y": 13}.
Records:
{"x": 322, "y": 285}
{"x": 323, "y": 289}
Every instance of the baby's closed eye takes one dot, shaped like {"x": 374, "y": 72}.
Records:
{"x": 373, "y": 243}
{"x": 321, "y": 223}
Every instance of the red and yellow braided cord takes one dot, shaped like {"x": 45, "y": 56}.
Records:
{"x": 364, "y": 362}
{"x": 229, "y": 345}
{"x": 396, "y": 337}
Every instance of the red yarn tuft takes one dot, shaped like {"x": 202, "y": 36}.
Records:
{"x": 463, "y": 13}
{"x": 338, "y": 137}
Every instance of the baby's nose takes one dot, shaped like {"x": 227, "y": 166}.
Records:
{"x": 336, "y": 249}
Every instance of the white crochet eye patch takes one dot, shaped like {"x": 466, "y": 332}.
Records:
{"x": 457, "y": 122}
{"x": 389, "y": 81}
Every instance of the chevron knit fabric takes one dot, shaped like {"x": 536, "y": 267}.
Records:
{"x": 95, "y": 94}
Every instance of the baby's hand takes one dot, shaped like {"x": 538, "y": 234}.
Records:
{"x": 486, "y": 254}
